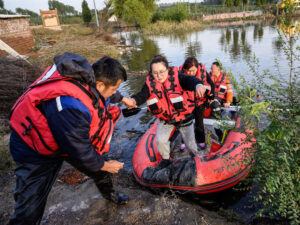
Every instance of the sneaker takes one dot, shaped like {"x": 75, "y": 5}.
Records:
{"x": 119, "y": 198}
{"x": 202, "y": 146}
{"x": 182, "y": 147}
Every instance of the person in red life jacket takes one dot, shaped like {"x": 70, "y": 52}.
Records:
{"x": 192, "y": 67}
{"x": 165, "y": 94}
{"x": 223, "y": 94}
{"x": 65, "y": 116}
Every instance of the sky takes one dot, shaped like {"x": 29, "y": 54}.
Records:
{"x": 36, "y": 5}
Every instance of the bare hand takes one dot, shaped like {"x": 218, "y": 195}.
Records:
{"x": 226, "y": 105}
{"x": 112, "y": 166}
{"x": 200, "y": 90}
{"x": 129, "y": 102}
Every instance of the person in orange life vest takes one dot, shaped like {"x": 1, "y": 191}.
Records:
{"x": 192, "y": 67}
{"x": 223, "y": 87}
{"x": 223, "y": 94}
{"x": 64, "y": 116}
{"x": 166, "y": 99}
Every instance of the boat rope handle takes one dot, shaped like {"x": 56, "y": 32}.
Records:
{"x": 207, "y": 139}
{"x": 222, "y": 141}
{"x": 223, "y": 138}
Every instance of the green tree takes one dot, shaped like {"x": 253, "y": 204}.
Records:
{"x": 61, "y": 8}
{"x": 86, "y": 12}
{"x": 236, "y": 3}
{"x": 118, "y": 8}
{"x": 135, "y": 11}
{"x": 245, "y": 3}
{"x": 263, "y": 2}
{"x": 26, "y": 12}
{"x": 228, "y": 3}
{"x": 1, "y": 4}
{"x": 34, "y": 19}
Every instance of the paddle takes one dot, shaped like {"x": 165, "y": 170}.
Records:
{"x": 131, "y": 112}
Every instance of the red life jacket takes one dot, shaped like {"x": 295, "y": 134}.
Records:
{"x": 168, "y": 101}
{"x": 32, "y": 126}
{"x": 220, "y": 86}
{"x": 201, "y": 75}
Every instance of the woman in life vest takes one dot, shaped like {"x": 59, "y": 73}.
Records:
{"x": 64, "y": 115}
{"x": 223, "y": 94}
{"x": 223, "y": 87}
{"x": 165, "y": 94}
{"x": 192, "y": 67}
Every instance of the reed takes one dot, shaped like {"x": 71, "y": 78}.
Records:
{"x": 164, "y": 27}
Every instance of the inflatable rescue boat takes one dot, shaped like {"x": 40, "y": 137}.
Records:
{"x": 212, "y": 172}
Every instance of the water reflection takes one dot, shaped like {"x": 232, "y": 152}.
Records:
{"x": 193, "y": 49}
{"x": 231, "y": 44}
{"x": 140, "y": 57}
{"x": 258, "y": 31}
{"x": 234, "y": 41}
{"x": 277, "y": 44}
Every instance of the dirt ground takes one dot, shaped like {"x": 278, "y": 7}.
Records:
{"x": 73, "y": 203}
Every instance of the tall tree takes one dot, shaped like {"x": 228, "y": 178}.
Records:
{"x": 245, "y": 3}
{"x": 105, "y": 14}
{"x": 135, "y": 11}
{"x": 229, "y": 3}
{"x": 61, "y": 8}
{"x": 1, "y": 4}
{"x": 118, "y": 8}
{"x": 86, "y": 12}
{"x": 26, "y": 12}
{"x": 236, "y": 3}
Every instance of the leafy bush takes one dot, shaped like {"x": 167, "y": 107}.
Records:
{"x": 276, "y": 155}
{"x": 178, "y": 13}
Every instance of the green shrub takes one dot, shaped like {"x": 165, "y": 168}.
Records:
{"x": 86, "y": 12}
{"x": 276, "y": 153}
{"x": 178, "y": 13}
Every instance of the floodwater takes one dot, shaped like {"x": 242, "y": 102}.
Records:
{"x": 232, "y": 44}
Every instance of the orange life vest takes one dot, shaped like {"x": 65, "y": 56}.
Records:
{"x": 31, "y": 125}
{"x": 223, "y": 88}
{"x": 201, "y": 75}
{"x": 168, "y": 101}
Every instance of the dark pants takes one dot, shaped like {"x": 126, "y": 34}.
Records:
{"x": 199, "y": 126}
{"x": 34, "y": 182}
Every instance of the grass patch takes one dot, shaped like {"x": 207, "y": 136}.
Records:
{"x": 67, "y": 31}
{"x": 77, "y": 39}
{"x": 164, "y": 27}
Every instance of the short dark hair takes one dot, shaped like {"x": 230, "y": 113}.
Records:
{"x": 190, "y": 62}
{"x": 109, "y": 71}
{"x": 217, "y": 64}
{"x": 158, "y": 59}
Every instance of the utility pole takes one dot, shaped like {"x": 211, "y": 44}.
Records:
{"x": 96, "y": 14}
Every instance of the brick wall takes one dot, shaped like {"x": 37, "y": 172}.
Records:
{"x": 16, "y": 33}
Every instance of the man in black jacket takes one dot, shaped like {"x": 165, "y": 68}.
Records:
{"x": 70, "y": 122}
